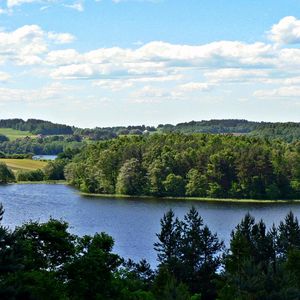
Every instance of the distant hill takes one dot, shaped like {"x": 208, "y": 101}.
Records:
{"x": 13, "y": 134}
{"x": 36, "y": 126}
{"x": 212, "y": 126}
{"x": 288, "y": 131}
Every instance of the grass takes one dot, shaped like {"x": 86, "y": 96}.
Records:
{"x": 14, "y": 134}
{"x": 23, "y": 164}
{"x": 62, "y": 182}
{"x": 201, "y": 199}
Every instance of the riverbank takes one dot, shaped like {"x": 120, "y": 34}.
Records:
{"x": 64, "y": 182}
{"x": 199, "y": 199}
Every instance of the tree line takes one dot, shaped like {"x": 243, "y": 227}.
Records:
{"x": 50, "y": 145}
{"x": 194, "y": 165}
{"x": 54, "y": 170}
{"x": 287, "y": 131}
{"x": 45, "y": 261}
{"x": 36, "y": 126}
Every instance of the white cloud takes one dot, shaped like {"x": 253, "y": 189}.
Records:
{"x": 148, "y": 71}
{"x": 113, "y": 85}
{"x": 158, "y": 59}
{"x": 23, "y": 46}
{"x": 236, "y": 75}
{"x": 13, "y": 3}
{"x": 3, "y": 11}
{"x": 28, "y": 44}
{"x": 287, "y": 31}
{"x": 151, "y": 94}
{"x": 61, "y": 38}
{"x": 78, "y": 5}
{"x": 195, "y": 86}
{"x": 51, "y": 92}
{"x": 282, "y": 92}
{"x": 4, "y": 77}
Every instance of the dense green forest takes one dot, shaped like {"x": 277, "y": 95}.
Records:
{"x": 197, "y": 165}
{"x": 45, "y": 261}
{"x": 50, "y": 145}
{"x": 57, "y": 137}
{"x": 288, "y": 131}
{"x": 36, "y": 126}
{"x": 211, "y": 126}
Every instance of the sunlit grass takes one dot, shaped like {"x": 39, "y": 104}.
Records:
{"x": 14, "y": 134}
{"x": 23, "y": 164}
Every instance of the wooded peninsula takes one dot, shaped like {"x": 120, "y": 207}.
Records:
{"x": 237, "y": 161}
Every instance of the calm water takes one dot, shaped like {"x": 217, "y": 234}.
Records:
{"x": 132, "y": 223}
{"x": 44, "y": 157}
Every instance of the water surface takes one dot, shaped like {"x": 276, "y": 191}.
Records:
{"x": 44, "y": 157}
{"x": 131, "y": 222}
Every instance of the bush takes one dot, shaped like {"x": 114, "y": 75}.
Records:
{"x": 6, "y": 174}
{"x": 36, "y": 175}
{"x": 3, "y": 138}
{"x": 55, "y": 170}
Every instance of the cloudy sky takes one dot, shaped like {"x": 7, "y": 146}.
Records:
{"x": 119, "y": 62}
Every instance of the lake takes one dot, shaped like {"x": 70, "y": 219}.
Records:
{"x": 44, "y": 157}
{"x": 131, "y": 222}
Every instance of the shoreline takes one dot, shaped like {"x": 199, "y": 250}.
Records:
{"x": 199, "y": 199}
{"x": 41, "y": 182}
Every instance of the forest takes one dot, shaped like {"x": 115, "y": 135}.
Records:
{"x": 288, "y": 131}
{"x": 36, "y": 126}
{"x": 194, "y": 165}
{"x": 45, "y": 261}
{"x": 49, "y": 145}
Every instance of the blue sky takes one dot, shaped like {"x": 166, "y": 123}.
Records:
{"x": 104, "y": 63}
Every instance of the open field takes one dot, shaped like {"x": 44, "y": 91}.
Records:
{"x": 14, "y": 134}
{"x": 23, "y": 164}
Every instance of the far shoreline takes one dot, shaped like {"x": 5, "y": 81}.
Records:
{"x": 198, "y": 199}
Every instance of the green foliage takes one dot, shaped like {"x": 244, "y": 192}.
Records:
{"x": 54, "y": 170}
{"x": 174, "y": 185}
{"x": 35, "y": 175}
{"x": 131, "y": 178}
{"x": 91, "y": 273}
{"x": 36, "y": 126}
{"x": 45, "y": 246}
{"x": 3, "y": 138}
{"x": 188, "y": 253}
{"x": 168, "y": 245}
{"x": 198, "y": 165}
{"x": 289, "y": 131}
{"x": 258, "y": 265}
{"x": 45, "y": 261}
{"x": 6, "y": 175}
{"x": 50, "y": 145}
{"x": 167, "y": 287}
{"x": 196, "y": 184}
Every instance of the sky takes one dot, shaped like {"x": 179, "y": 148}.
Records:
{"x": 131, "y": 62}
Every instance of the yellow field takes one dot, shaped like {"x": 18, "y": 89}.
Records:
{"x": 14, "y": 134}
{"x": 23, "y": 164}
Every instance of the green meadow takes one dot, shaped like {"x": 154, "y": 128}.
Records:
{"x": 23, "y": 164}
{"x": 14, "y": 134}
